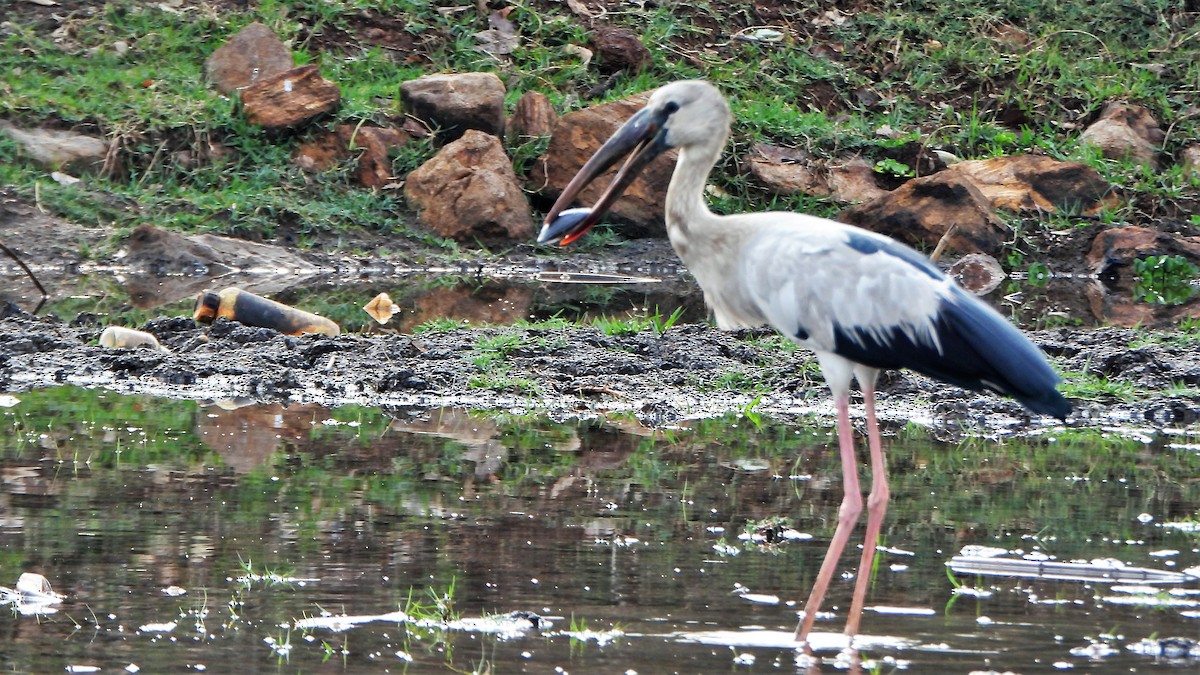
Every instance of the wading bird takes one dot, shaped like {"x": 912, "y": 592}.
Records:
{"x": 860, "y": 300}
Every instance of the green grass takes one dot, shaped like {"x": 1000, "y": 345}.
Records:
{"x": 976, "y": 78}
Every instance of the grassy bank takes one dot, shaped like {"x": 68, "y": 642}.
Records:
{"x": 876, "y": 78}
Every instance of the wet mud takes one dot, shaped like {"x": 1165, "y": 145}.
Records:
{"x": 687, "y": 371}
{"x": 1137, "y": 376}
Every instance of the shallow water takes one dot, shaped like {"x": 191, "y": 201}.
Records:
{"x": 480, "y": 294}
{"x": 262, "y": 538}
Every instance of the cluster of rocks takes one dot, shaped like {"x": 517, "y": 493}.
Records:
{"x": 469, "y": 190}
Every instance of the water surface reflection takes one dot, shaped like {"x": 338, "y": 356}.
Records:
{"x": 231, "y": 538}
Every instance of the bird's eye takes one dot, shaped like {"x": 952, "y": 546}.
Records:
{"x": 670, "y": 107}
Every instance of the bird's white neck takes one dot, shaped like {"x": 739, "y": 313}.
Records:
{"x": 687, "y": 214}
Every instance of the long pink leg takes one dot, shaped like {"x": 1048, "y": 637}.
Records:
{"x": 876, "y": 508}
{"x": 852, "y": 504}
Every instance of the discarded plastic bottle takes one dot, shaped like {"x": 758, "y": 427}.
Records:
{"x": 118, "y": 336}
{"x": 255, "y": 310}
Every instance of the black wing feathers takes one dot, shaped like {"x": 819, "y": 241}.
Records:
{"x": 979, "y": 350}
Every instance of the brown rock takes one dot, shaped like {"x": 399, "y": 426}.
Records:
{"x": 469, "y": 191}
{"x": 289, "y": 98}
{"x": 923, "y": 210}
{"x": 1036, "y": 183}
{"x": 371, "y": 144}
{"x": 533, "y": 117}
{"x": 1126, "y": 131}
{"x": 375, "y": 144}
{"x": 454, "y": 103}
{"x": 321, "y": 152}
{"x": 1122, "y": 245}
{"x": 576, "y": 137}
{"x": 250, "y": 56}
{"x": 619, "y": 49}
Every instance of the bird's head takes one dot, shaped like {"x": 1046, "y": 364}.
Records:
{"x": 679, "y": 115}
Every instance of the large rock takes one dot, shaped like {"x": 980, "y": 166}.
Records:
{"x": 1126, "y": 132}
{"x": 1036, "y": 183}
{"x": 455, "y": 103}
{"x": 965, "y": 195}
{"x": 255, "y": 53}
{"x": 576, "y": 137}
{"x": 289, "y": 98}
{"x": 469, "y": 191}
{"x": 924, "y": 210}
{"x": 1122, "y": 245}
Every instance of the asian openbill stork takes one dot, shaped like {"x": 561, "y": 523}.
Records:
{"x": 860, "y": 300}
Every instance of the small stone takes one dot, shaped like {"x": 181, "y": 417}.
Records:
{"x": 619, "y": 49}
{"x": 372, "y": 146}
{"x": 978, "y": 273}
{"x": 533, "y": 117}
{"x": 1126, "y": 132}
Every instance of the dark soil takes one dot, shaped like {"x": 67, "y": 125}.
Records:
{"x": 577, "y": 371}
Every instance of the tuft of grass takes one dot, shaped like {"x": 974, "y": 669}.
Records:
{"x": 439, "y": 325}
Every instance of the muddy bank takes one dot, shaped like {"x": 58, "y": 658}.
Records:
{"x": 1137, "y": 377}
{"x": 688, "y": 371}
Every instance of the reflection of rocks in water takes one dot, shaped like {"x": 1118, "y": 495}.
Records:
{"x": 167, "y": 267}
{"x": 1116, "y": 305}
{"x": 246, "y": 437}
{"x": 479, "y": 435}
{"x": 28, "y": 483}
{"x": 978, "y": 273}
{"x": 490, "y": 302}
{"x": 599, "y": 449}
